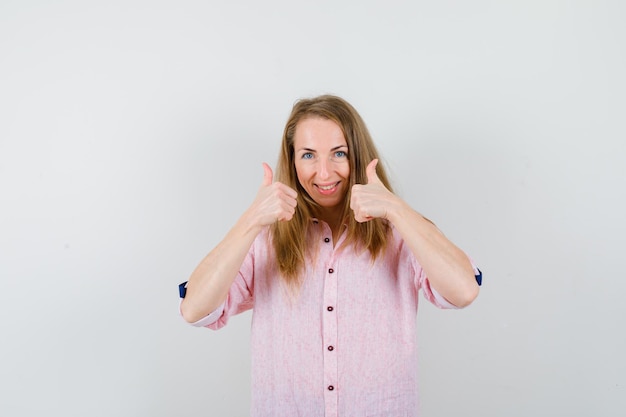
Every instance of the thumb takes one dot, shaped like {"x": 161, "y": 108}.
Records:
{"x": 268, "y": 175}
{"x": 370, "y": 171}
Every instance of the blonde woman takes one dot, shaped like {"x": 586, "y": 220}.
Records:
{"x": 331, "y": 262}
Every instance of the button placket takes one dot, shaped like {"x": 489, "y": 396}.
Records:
{"x": 329, "y": 334}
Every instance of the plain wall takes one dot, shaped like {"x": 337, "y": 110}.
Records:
{"x": 132, "y": 135}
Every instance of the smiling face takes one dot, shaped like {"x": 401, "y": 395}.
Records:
{"x": 321, "y": 162}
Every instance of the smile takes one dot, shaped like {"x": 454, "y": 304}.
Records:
{"x": 328, "y": 188}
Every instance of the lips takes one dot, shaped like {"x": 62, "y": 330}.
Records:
{"x": 327, "y": 188}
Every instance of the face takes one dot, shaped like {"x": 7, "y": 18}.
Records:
{"x": 321, "y": 161}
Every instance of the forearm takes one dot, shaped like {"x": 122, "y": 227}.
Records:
{"x": 209, "y": 283}
{"x": 447, "y": 267}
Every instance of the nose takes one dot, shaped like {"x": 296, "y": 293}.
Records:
{"x": 323, "y": 169}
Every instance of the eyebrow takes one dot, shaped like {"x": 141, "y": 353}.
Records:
{"x": 313, "y": 150}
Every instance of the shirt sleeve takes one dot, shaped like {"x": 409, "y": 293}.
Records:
{"x": 207, "y": 320}
{"x": 432, "y": 295}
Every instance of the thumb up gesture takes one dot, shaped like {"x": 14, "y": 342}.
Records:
{"x": 274, "y": 202}
{"x": 371, "y": 200}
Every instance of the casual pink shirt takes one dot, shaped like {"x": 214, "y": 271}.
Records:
{"x": 346, "y": 345}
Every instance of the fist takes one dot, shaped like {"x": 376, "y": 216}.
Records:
{"x": 274, "y": 201}
{"x": 371, "y": 200}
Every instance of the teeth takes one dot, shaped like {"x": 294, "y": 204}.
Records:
{"x": 327, "y": 187}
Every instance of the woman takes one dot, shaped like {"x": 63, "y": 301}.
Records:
{"x": 331, "y": 262}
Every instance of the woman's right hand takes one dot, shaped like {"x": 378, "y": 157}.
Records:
{"x": 274, "y": 202}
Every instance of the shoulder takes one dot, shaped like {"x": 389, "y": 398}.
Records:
{"x": 397, "y": 248}
{"x": 263, "y": 240}
{"x": 394, "y": 239}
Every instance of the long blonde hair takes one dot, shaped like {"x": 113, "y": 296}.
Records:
{"x": 290, "y": 238}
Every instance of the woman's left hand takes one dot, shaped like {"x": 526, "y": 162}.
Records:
{"x": 371, "y": 200}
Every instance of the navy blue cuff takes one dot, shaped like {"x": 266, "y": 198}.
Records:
{"x": 479, "y": 278}
{"x": 182, "y": 290}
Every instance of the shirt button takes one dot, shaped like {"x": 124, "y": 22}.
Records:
{"x": 326, "y": 240}
{"x": 331, "y": 270}
{"x": 329, "y": 308}
{"x": 331, "y": 348}
{"x": 330, "y": 388}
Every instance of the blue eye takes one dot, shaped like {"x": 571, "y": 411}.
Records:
{"x": 340, "y": 154}
{"x": 307, "y": 155}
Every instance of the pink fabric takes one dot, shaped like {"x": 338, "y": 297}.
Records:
{"x": 346, "y": 345}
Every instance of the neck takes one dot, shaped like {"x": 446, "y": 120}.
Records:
{"x": 334, "y": 219}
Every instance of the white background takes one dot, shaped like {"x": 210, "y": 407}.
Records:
{"x": 132, "y": 135}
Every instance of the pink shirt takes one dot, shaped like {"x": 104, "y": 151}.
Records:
{"x": 346, "y": 346}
